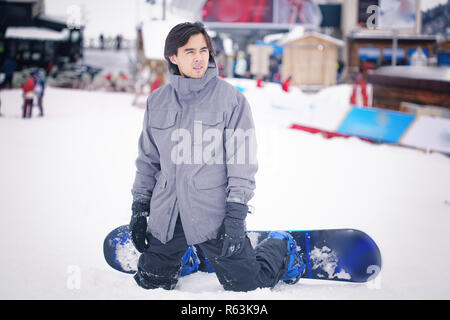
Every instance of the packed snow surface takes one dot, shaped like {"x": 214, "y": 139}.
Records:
{"x": 66, "y": 179}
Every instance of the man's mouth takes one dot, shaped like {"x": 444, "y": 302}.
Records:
{"x": 198, "y": 67}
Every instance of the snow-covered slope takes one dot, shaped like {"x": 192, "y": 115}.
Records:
{"x": 66, "y": 179}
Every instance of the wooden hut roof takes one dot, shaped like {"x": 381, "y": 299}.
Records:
{"x": 295, "y": 36}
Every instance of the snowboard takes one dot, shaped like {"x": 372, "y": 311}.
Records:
{"x": 330, "y": 254}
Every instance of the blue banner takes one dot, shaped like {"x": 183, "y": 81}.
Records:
{"x": 376, "y": 124}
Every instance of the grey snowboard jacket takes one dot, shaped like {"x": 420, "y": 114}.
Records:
{"x": 196, "y": 151}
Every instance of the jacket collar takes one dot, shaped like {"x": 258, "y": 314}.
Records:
{"x": 184, "y": 85}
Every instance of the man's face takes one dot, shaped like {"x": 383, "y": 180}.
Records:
{"x": 192, "y": 58}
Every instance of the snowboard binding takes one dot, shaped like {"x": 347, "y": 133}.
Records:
{"x": 295, "y": 266}
{"x": 189, "y": 262}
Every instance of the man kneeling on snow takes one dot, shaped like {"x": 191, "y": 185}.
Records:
{"x": 195, "y": 175}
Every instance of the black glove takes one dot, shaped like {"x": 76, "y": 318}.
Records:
{"x": 138, "y": 224}
{"x": 232, "y": 230}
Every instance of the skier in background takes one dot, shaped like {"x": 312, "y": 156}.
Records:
{"x": 204, "y": 203}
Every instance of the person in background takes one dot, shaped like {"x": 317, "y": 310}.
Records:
{"x": 156, "y": 84}
{"x": 260, "y": 82}
{"x": 143, "y": 79}
{"x": 9, "y": 66}
{"x": 118, "y": 42}
{"x": 240, "y": 68}
{"x": 28, "y": 96}
{"x": 359, "y": 96}
{"x": 39, "y": 87}
{"x": 304, "y": 12}
{"x": 274, "y": 67}
{"x": 340, "y": 69}
{"x": 286, "y": 84}
{"x": 222, "y": 61}
{"x": 0, "y": 103}
{"x": 1, "y": 81}
{"x": 101, "y": 39}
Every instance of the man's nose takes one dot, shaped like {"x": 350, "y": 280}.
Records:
{"x": 197, "y": 57}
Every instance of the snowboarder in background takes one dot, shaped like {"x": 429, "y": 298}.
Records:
{"x": 200, "y": 202}
{"x": 28, "y": 96}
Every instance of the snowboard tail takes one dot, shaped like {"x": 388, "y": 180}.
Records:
{"x": 330, "y": 254}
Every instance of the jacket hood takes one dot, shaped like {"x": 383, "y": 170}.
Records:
{"x": 184, "y": 85}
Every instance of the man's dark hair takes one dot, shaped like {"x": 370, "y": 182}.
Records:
{"x": 179, "y": 36}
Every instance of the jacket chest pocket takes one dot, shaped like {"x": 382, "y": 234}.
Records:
{"x": 162, "y": 123}
{"x": 162, "y": 119}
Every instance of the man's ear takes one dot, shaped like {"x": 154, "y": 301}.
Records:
{"x": 173, "y": 59}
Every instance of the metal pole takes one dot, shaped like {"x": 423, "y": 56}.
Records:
{"x": 164, "y": 10}
{"x": 394, "y": 48}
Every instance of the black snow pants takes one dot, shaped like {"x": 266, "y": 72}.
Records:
{"x": 248, "y": 269}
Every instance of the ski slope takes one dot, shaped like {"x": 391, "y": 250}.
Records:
{"x": 65, "y": 182}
